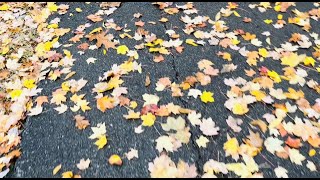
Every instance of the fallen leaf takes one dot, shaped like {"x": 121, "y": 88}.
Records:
{"x": 165, "y": 142}
{"x": 147, "y": 82}
{"x": 101, "y": 142}
{"x": 208, "y": 128}
{"x": 35, "y": 111}
{"x": 273, "y": 145}
{"x": 78, "y": 10}
{"x": 62, "y": 108}
{"x": 281, "y": 172}
{"x": 206, "y": 97}
{"x": 115, "y": 160}
{"x": 133, "y": 153}
{"x": 295, "y": 156}
{"x": 148, "y": 119}
{"x": 311, "y": 166}
{"x": 139, "y": 23}
{"x": 202, "y": 141}
{"x": 91, "y": 60}
{"x": 56, "y": 169}
{"x": 67, "y": 174}
{"x": 231, "y": 147}
{"x": 123, "y": 49}
{"x": 83, "y": 164}
{"x": 294, "y": 143}
{"x": 94, "y": 18}
{"x": 81, "y": 123}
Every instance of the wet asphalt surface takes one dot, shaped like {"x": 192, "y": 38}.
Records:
{"x": 50, "y": 139}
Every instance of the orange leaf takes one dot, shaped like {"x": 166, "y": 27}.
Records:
{"x": 139, "y": 23}
{"x": 315, "y": 142}
{"x": 81, "y": 123}
{"x": 94, "y": 18}
{"x": 41, "y": 99}
{"x": 158, "y": 58}
{"x": 105, "y": 103}
{"x": 282, "y": 131}
{"x": 295, "y": 143}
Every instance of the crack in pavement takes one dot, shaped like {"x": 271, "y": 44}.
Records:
{"x": 185, "y": 103}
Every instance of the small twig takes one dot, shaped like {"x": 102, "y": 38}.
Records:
{"x": 267, "y": 160}
{"x": 157, "y": 130}
{"x": 308, "y": 68}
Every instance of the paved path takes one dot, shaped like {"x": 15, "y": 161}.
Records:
{"x": 50, "y": 139}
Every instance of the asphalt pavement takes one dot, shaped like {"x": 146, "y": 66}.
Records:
{"x": 50, "y": 139}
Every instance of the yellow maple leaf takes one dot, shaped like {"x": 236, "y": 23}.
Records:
{"x": 191, "y": 42}
{"x": 4, "y": 7}
{"x": 263, "y": 52}
{"x": 133, "y": 104}
{"x": 29, "y": 83}
{"x": 268, "y": 21}
{"x": 226, "y": 56}
{"x": 40, "y": 49}
{"x": 67, "y": 174}
{"x": 52, "y": 6}
{"x": 54, "y": 26}
{"x": 75, "y": 98}
{"x": 239, "y": 169}
{"x": 123, "y": 49}
{"x": 132, "y": 115}
{"x": 67, "y": 53}
{"x": 65, "y": 86}
{"x": 293, "y": 59}
{"x": 127, "y": 66}
{"x": 5, "y": 50}
{"x": 275, "y": 123}
{"x": 277, "y": 8}
{"x": 154, "y": 49}
{"x": 240, "y": 109}
{"x": 309, "y": 60}
{"x": 232, "y": 148}
{"x": 101, "y": 142}
{"x": 244, "y": 170}
{"x": 163, "y": 50}
{"x": 84, "y": 105}
{"x": 235, "y": 41}
{"x": 148, "y": 119}
{"x": 15, "y": 93}
{"x": 293, "y": 94}
{"x": 274, "y": 76}
{"x": 258, "y": 94}
{"x": 206, "y": 97}
{"x": 114, "y": 82}
{"x": 158, "y": 41}
{"x": 47, "y": 46}
{"x": 265, "y": 4}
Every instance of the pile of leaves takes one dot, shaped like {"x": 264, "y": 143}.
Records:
{"x": 25, "y": 63}
{"x": 25, "y": 41}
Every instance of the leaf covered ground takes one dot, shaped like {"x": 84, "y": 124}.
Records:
{"x": 159, "y": 89}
